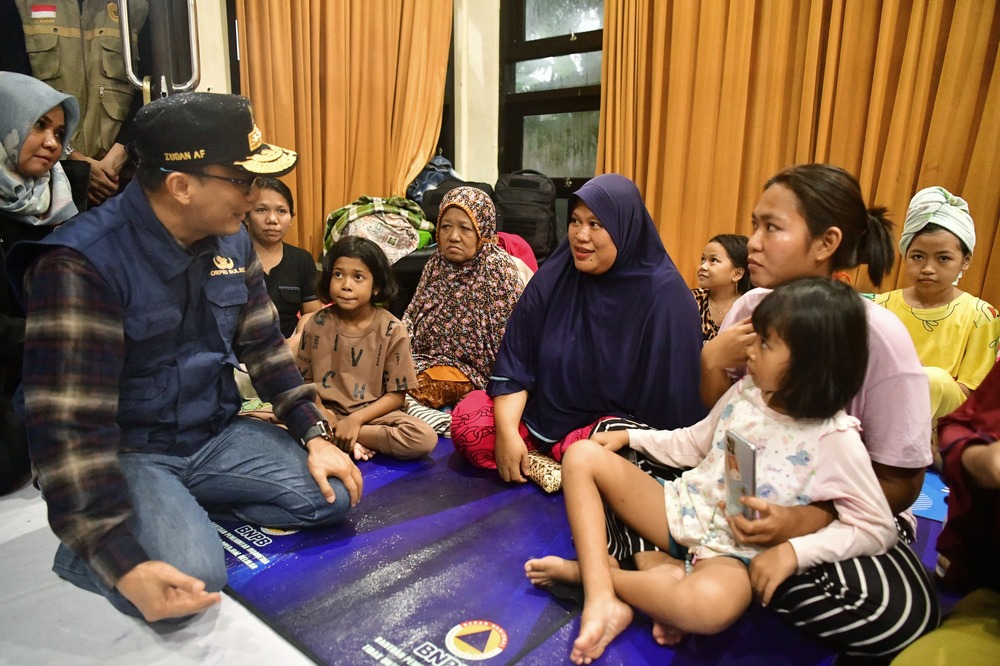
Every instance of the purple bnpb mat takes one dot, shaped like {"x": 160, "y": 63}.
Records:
{"x": 430, "y": 570}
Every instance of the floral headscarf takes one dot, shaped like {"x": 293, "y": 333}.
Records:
{"x": 459, "y": 312}
{"x": 23, "y": 100}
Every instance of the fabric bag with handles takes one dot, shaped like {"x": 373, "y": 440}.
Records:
{"x": 397, "y": 225}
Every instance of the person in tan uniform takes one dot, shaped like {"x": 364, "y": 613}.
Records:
{"x": 75, "y": 46}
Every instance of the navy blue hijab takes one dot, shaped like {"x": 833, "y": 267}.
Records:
{"x": 624, "y": 343}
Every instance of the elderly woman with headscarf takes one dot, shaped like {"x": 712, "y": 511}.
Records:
{"x": 954, "y": 332}
{"x": 607, "y": 327}
{"x": 458, "y": 313}
{"x": 35, "y": 196}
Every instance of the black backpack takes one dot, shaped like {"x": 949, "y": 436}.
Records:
{"x": 526, "y": 206}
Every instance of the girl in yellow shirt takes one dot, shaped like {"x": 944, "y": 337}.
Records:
{"x": 954, "y": 332}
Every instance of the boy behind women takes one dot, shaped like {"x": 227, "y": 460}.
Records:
{"x": 138, "y": 312}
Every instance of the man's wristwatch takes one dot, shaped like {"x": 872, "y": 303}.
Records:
{"x": 318, "y": 429}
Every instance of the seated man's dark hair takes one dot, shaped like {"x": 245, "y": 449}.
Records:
{"x": 151, "y": 178}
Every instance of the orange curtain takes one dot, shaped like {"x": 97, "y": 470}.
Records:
{"x": 705, "y": 100}
{"x": 356, "y": 87}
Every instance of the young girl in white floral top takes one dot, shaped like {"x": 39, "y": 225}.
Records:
{"x": 808, "y": 361}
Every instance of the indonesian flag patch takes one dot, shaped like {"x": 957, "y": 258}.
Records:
{"x": 43, "y": 12}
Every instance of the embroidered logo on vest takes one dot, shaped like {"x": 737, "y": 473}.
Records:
{"x": 224, "y": 266}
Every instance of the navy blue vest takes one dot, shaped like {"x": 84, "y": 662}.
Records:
{"x": 179, "y": 309}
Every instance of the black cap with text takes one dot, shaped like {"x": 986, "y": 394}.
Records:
{"x": 188, "y": 130}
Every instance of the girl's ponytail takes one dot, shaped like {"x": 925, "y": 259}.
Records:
{"x": 829, "y": 197}
{"x": 875, "y": 246}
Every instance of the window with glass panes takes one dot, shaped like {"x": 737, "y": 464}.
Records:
{"x": 550, "y": 89}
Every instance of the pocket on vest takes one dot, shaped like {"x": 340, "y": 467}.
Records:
{"x": 133, "y": 389}
{"x": 228, "y": 297}
{"x": 43, "y": 55}
{"x": 116, "y": 105}
{"x": 145, "y": 327}
{"x": 112, "y": 60}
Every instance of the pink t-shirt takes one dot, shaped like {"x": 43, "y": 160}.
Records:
{"x": 893, "y": 404}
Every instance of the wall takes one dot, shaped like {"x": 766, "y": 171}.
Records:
{"x": 477, "y": 88}
{"x": 214, "y": 45}
{"x": 477, "y": 78}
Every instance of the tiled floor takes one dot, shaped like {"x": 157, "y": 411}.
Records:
{"x": 45, "y": 620}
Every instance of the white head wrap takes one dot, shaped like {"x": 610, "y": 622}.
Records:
{"x": 938, "y": 206}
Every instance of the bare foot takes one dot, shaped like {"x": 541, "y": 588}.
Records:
{"x": 663, "y": 633}
{"x": 672, "y": 568}
{"x": 551, "y": 569}
{"x": 548, "y": 570}
{"x": 362, "y": 452}
{"x": 600, "y": 623}
{"x": 666, "y": 635}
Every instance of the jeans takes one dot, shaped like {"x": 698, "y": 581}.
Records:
{"x": 252, "y": 470}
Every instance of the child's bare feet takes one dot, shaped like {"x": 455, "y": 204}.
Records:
{"x": 666, "y": 635}
{"x": 548, "y": 570}
{"x": 600, "y": 623}
{"x": 671, "y": 568}
{"x": 663, "y": 633}
{"x": 362, "y": 452}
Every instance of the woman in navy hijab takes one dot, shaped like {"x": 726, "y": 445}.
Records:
{"x": 606, "y": 328}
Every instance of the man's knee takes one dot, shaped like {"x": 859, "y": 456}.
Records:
{"x": 213, "y": 574}
{"x": 320, "y": 512}
{"x": 204, "y": 561}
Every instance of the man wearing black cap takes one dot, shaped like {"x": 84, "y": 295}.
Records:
{"x": 138, "y": 313}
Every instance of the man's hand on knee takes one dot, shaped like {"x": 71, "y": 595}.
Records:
{"x": 326, "y": 460}
{"x": 161, "y": 591}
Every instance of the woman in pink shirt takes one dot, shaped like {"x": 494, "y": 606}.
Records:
{"x": 812, "y": 220}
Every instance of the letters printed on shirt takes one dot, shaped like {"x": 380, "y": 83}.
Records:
{"x": 225, "y": 266}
